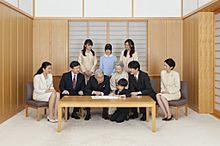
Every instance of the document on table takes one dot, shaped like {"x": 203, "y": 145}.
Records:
{"x": 106, "y": 97}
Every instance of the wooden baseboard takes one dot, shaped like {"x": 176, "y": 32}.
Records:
{"x": 11, "y": 114}
{"x": 216, "y": 114}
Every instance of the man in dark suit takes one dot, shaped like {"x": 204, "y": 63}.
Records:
{"x": 139, "y": 84}
{"x": 98, "y": 85}
{"x": 73, "y": 83}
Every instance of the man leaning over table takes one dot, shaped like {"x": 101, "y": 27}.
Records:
{"x": 98, "y": 85}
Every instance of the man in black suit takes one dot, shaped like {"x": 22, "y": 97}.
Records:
{"x": 73, "y": 83}
{"x": 98, "y": 85}
{"x": 139, "y": 84}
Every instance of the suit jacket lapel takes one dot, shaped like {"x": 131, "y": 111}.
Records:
{"x": 70, "y": 79}
{"x": 78, "y": 80}
{"x": 135, "y": 82}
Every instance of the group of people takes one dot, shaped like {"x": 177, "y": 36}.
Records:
{"x": 116, "y": 78}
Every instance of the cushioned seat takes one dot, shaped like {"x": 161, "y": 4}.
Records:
{"x": 36, "y": 103}
{"x": 179, "y": 102}
{"x": 182, "y": 102}
{"x": 33, "y": 103}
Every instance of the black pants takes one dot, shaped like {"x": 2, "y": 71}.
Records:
{"x": 76, "y": 109}
{"x": 120, "y": 115}
{"x": 143, "y": 110}
{"x": 104, "y": 111}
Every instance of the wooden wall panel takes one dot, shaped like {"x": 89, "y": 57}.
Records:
{"x": 198, "y": 60}
{"x": 20, "y": 59}
{"x": 1, "y": 62}
{"x": 14, "y": 60}
{"x": 190, "y": 47}
{"x": 164, "y": 41}
{"x": 25, "y": 53}
{"x": 156, "y": 45}
{"x": 51, "y": 44}
{"x": 174, "y": 46}
{"x": 206, "y": 62}
{"x": 42, "y": 43}
{"x": 30, "y": 51}
{"x": 6, "y": 61}
{"x": 59, "y": 46}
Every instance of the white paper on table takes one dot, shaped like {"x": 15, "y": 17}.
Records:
{"x": 105, "y": 97}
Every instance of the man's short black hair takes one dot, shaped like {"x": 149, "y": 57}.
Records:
{"x": 74, "y": 64}
{"x": 123, "y": 82}
{"x": 134, "y": 64}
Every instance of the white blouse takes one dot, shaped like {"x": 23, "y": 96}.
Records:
{"x": 126, "y": 60}
{"x": 87, "y": 62}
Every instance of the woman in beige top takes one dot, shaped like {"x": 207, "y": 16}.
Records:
{"x": 128, "y": 54}
{"x": 117, "y": 75}
{"x": 87, "y": 59}
{"x": 44, "y": 90}
{"x": 170, "y": 88}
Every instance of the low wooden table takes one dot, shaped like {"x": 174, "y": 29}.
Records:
{"x": 87, "y": 101}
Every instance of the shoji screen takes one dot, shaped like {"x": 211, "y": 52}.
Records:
{"x": 115, "y": 32}
{"x": 138, "y": 33}
{"x": 117, "y": 35}
{"x": 217, "y": 62}
{"x": 77, "y": 36}
{"x": 97, "y": 32}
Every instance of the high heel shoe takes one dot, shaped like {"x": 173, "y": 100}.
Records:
{"x": 168, "y": 119}
{"x": 50, "y": 120}
{"x": 164, "y": 119}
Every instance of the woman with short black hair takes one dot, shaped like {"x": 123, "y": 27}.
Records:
{"x": 170, "y": 88}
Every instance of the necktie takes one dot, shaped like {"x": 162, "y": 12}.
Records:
{"x": 136, "y": 78}
{"x": 74, "y": 82}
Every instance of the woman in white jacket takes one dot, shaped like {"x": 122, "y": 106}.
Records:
{"x": 44, "y": 90}
{"x": 170, "y": 88}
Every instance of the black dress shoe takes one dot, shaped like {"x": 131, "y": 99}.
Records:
{"x": 75, "y": 116}
{"x": 143, "y": 118}
{"x": 68, "y": 116}
{"x": 88, "y": 117}
{"x": 105, "y": 116}
{"x": 164, "y": 119}
{"x": 171, "y": 118}
{"x": 133, "y": 116}
{"x": 127, "y": 118}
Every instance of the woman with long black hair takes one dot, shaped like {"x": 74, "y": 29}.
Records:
{"x": 128, "y": 54}
{"x": 44, "y": 90}
{"x": 87, "y": 59}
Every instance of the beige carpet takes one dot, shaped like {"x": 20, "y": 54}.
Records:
{"x": 194, "y": 130}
